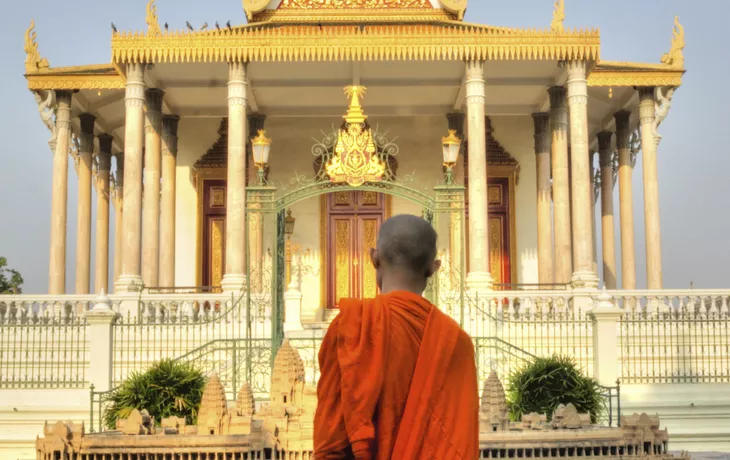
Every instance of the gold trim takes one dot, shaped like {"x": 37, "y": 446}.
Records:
{"x": 401, "y": 15}
{"x": 619, "y": 78}
{"x": 447, "y": 40}
{"x": 200, "y": 177}
{"x": 69, "y": 82}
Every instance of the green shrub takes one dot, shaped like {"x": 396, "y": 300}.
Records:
{"x": 168, "y": 388}
{"x": 545, "y": 383}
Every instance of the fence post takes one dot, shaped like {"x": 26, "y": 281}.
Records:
{"x": 605, "y": 317}
{"x": 292, "y": 309}
{"x": 100, "y": 320}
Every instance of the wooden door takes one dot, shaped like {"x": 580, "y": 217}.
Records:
{"x": 500, "y": 249}
{"x": 353, "y": 219}
{"x": 214, "y": 232}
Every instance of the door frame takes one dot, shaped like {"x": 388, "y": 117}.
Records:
{"x": 323, "y": 222}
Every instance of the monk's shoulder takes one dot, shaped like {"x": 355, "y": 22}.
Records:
{"x": 464, "y": 343}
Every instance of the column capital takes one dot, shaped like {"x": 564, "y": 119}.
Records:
{"x": 541, "y": 121}
{"x": 623, "y": 129}
{"x": 153, "y": 99}
{"x": 456, "y": 122}
{"x": 104, "y": 158}
{"x": 647, "y": 104}
{"x": 577, "y": 83}
{"x": 558, "y": 107}
{"x": 86, "y": 137}
{"x": 170, "y": 124}
{"x": 604, "y": 148}
{"x": 237, "y": 83}
{"x": 476, "y": 90}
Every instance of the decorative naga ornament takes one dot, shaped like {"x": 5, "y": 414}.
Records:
{"x": 370, "y": 4}
{"x": 153, "y": 25}
{"x": 675, "y": 56}
{"x": 355, "y": 159}
{"x": 558, "y": 17}
{"x": 252, "y": 7}
{"x": 33, "y": 60}
{"x": 457, "y": 7}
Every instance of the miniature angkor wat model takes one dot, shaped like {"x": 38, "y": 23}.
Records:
{"x": 286, "y": 423}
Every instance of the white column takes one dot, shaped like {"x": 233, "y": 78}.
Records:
{"x": 605, "y": 340}
{"x": 545, "y": 261}
{"x": 167, "y": 211}
{"x": 151, "y": 195}
{"x": 235, "y": 275}
{"x": 584, "y": 275}
{"x": 101, "y": 260}
{"x": 479, "y": 276}
{"x": 118, "y": 215}
{"x": 561, "y": 185}
{"x": 649, "y": 143}
{"x": 608, "y": 236}
{"x": 626, "y": 200}
{"x": 83, "y": 222}
{"x": 59, "y": 195}
{"x": 132, "y": 210}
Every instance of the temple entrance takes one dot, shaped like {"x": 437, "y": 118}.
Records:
{"x": 352, "y": 221}
{"x": 214, "y": 232}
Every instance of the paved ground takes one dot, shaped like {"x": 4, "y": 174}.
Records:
{"x": 710, "y": 456}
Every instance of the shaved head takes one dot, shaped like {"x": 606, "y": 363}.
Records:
{"x": 408, "y": 243}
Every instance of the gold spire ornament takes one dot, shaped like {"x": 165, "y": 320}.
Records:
{"x": 675, "y": 56}
{"x": 355, "y": 159}
{"x": 456, "y": 7}
{"x": 342, "y": 4}
{"x": 153, "y": 26}
{"x": 33, "y": 61}
{"x": 252, "y": 7}
{"x": 558, "y": 17}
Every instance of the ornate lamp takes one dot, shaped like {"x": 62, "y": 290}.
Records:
{"x": 451, "y": 146}
{"x": 289, "y": 222}
{"x": 261, "y": 149}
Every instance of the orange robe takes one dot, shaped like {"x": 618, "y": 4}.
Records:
{"x": 398, "y": 380}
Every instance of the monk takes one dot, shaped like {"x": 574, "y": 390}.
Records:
{"x": 398, "y": 377}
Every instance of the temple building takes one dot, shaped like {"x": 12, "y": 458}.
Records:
{"x": 224, "y": 154}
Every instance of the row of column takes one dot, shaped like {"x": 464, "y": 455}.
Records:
{"x": 159, "y": 220}
{"x": 566, "y": 243}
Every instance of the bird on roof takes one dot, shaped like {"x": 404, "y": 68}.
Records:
{"x": 114, "y": 28}
{"x": 228, "y": 24}
{"x": 167, "y": 27}
{"x": 190, "y": 27}
{"x": 204, "y": 26}
{"x": 217, "y": 26}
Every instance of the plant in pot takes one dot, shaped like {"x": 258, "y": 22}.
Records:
{"x": 543, "y": 384}
{"x": 168, "y": 388}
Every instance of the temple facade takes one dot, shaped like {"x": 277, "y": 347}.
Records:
{"x": 165, "y": 136}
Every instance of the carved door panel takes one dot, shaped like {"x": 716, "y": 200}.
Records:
{"x": 353, "y": 220}
{"x": 500, "y": 249}
{"x": 214, "y": 232}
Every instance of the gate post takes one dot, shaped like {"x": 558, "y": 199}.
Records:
{"x": 606, "y": 356}
{"x": 101, "y": 319}
{"x": 292, "y": 308}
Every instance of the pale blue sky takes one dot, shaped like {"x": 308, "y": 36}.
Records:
{"x": 694, "y": 157}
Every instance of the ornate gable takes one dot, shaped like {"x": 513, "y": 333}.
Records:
{"x": 352, "y": 4}
{"x": 357, "y": 11}
{"x": 217, "y": 155}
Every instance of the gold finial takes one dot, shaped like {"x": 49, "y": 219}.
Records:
{"x": 558, "y": 17}
{"x": 33, "y": 60}
{"x": 355, "y": 113}
{"x": 675, "y": 56}
{"x": 451, "y": 139}
{"x": 153, "y": 26}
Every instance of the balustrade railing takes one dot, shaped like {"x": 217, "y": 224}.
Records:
{"x": 673, "y": 336}
{"x": 43, "y": 341}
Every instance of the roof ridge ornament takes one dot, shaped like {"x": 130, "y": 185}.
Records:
{"x": 348, "y": 4}
{"x": 253, "y": 7}
{"x": 675, "y": 56}
{"x": 556, "y": 25}
{"x": 153, "y": 25}
{"x": 456, "y": 7}
{"x": 34, "y": 63}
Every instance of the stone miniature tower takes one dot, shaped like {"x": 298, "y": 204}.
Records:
{"x": 493, "y": 413}
{"x": 242, "y": 418}
{"x": 213, "y": 414}
{"x": 287, "y": 379}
